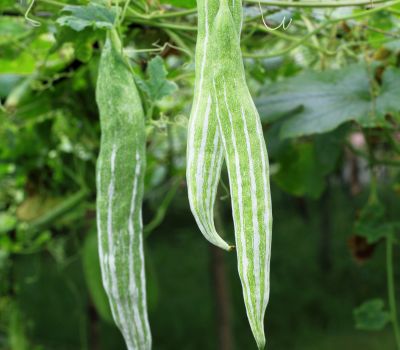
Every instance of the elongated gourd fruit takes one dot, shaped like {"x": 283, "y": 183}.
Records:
{"x": 120, "y": 175}
{"x": 247, "y": 162}
{"x": 204, "y": 148}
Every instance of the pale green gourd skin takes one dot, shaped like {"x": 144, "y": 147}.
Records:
{"x": 120, "y": 180}
{"x": 224, "y": 123}
{"x": 247, "y": 162}
{"x": 204, "y": 148}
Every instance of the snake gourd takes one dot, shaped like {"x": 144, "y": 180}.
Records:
{"x": 120, "y": 175}
{"x": 224, "y": 124}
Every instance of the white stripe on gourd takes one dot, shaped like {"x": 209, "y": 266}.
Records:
{"x": 204, "y": 150}
{"x": 247, "y": 163}
{"x": 120, "y": 181}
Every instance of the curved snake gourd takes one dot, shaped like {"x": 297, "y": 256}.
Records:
{"x": 224, "y": 120}
{"x": 204, "y": 148}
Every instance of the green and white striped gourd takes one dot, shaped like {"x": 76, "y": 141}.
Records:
{"x": 204, "y": 148}
{"x": 120, "y": 175}
{"x": 247, "y": 162}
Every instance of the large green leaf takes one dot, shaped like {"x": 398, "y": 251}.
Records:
{"x": 388, "y": 100}
{"x": 318, "y": 102}
{"x": 299, "y": 171}
{"x": 92, "y": 15}
{"x": 304, "y": 166}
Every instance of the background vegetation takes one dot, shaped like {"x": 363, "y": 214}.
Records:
{"x": 327, "y": 88}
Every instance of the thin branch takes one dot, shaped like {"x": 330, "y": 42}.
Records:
{"x": 159, "y": 24}
{"x": 172, "y": 14}
{"x": 54, "y": 3}
{"x": 58, "y": 211}
{"x": 380, "y": 31}
{"x": 292, "y": 38}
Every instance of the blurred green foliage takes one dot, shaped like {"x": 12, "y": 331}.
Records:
{"x": 327, "y": 91}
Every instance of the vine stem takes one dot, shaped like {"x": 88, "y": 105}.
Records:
{"x": 54, "y": 3}
{"x": 59, "y": 210}
{"x": 160, "y": 24}
{"x": 278, "y": 3}
{"x": 391, "y": 289}
{"x": 302, "y": 40}
{"x": 303, "y": 4}
{"x": 316, "y": 4}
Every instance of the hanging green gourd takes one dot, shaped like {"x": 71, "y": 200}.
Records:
{"x": 224, "y": 120}
{"x": 204, "y": 147}
{"x": 120, "y": 181}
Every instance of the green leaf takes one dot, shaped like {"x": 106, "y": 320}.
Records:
{"x": 318, "y": 102}
{"x": 180, "y": 3}
{"x": 328, "y": 148}
{"x": 7, "y": 5}
{"x": 82, "y": 41}
{"x": 12, "y": 29}
{"x": 17, "y": 61}
{"x": 299, "y": 172}
{"x": 388, "y": 101}
{"x": 7, "y": 222}
{"x": 17, "y": 329}
{"x": 92, "y": 15}
{"x": 371, "y": 316}
{"x": 91, "y": 269}
{"x": 157, "y": 86}
{"x": 372, "y": 223}
{"x": 7, "y": 83}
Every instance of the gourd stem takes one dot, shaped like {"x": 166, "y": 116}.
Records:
{"x": 116, "y": 41}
